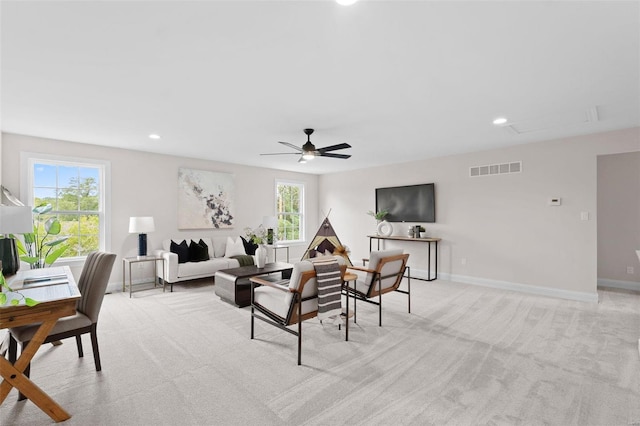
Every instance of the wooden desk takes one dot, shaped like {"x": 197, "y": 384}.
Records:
{"x": 57, "y": 299}
{"x": 429, "y": 241}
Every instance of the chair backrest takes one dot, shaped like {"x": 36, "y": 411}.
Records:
{"x": 303, "y": 274}
{"x": 93, "y": 283}
{"x": 390, "y": 265}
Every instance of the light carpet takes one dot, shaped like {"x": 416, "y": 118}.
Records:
{"x": 466, "y": 355}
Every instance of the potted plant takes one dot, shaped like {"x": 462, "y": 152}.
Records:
{"x": 258, "y": 236}
{"x": 379, "y": 215}
{"x": 423, "y": 232}
{"x": 41, "y": 248}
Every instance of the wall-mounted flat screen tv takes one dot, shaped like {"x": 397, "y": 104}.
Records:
{"x": 412, "y": 203}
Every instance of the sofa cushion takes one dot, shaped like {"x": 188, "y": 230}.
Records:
{"x": 234, "y": 248}
{"x": 182, "y": 250}
{"x": 198, "y": 251}
{"x": 249, "y": 246}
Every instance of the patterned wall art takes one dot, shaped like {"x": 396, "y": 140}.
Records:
{"x": 205, "y": 199}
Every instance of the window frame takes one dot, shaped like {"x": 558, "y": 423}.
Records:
{"x": 301, "y": 214}
{"x": 27, "y": 161}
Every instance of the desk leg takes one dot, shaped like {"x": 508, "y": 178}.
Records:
{"x": 436, "y": 267}
{"x": 429, "y": 261}
{"x": 14, "y": 376}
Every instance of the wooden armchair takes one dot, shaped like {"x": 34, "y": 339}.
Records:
{"x": 288, "y": 302}
{"x": 383, "y": 275}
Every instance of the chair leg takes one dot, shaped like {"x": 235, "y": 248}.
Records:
{"x": 355, "y": 312}
{"x": 79, "y": 345}
{"x": 300, "y": 331}
{"x": 27, "y": 371}
{"x": 380, "y": 302}
{"x": 252, "y": 309}
{"x": 13, "y": 349}
{"x": 252, "y": 321}
{"x": 94, "y": 345}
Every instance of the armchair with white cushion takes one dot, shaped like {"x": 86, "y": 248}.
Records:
{"x": 288, "y": 302}
{"x": 384, "y": 274}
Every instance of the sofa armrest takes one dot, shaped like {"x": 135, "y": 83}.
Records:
{"x": 170, "y": 265}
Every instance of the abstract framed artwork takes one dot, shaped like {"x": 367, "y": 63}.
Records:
{"x": 205, "y": 199}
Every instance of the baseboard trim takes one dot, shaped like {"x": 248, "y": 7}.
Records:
{"x": 522, "y": 288}
{"x": 626, "y": 285}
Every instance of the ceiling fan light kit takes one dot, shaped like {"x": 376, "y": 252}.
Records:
{"x": 308, "y": 151}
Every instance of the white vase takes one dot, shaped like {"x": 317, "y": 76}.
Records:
{"x": 261, "y": 256}
{"x": 384, "y": 229}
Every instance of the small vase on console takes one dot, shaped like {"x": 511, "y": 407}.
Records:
{"x": 385, "y": 229}
{"x": 261, "y": 256}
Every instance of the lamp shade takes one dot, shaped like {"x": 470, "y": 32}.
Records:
{"x": 141, "y": 225}
{"x": 269, "y": 222}
{"x": 16, "y": 220}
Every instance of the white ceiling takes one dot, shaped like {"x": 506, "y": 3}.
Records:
{"x": 398, "y": 80}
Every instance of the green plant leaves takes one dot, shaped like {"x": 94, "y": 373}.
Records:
{"x": 54, "y": 255}
{"x": 44, "y": 208}
{"x": 3, "y": 298}
{"x": 52, "y": 226}
{"x": 29, "y": 259}
{"x": 30, "y": 302}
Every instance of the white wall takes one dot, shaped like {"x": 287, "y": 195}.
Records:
{"x": 501, "y": 225}
{"x": 619, "y": 219}
{"x": 145, "y": 184}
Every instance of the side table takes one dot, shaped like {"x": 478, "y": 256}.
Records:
{"x": 275, "y": 249}
{"x": 129, "y": 261}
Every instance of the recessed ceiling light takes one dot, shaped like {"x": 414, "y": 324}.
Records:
{"x": 346, "y": 2}
{"x": 499, "y": 120}
{"x": 154, "y": 136}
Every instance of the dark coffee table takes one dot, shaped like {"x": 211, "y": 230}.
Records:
{"x": 233, "y": 285}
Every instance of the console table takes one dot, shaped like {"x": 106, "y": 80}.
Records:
{"x": 429, "y": 241}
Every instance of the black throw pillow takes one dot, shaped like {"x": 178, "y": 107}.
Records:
{"x": 249, "y": 246}
{"x": 182, "y": 250}
{"x": 206, "y": 249}
{"x": 198, "y": 252}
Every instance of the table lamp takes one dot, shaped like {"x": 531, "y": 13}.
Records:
{"x": 270, "y": 223}
{"x": 13, "y": 220}
{"x": 140, "y": 226}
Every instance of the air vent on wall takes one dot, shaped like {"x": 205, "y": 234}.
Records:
{"x": 496, "y": 169}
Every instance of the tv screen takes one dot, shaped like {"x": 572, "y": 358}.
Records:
{"x": 412, "y": 203}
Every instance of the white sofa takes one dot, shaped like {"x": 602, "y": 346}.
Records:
{"x": 175, "y": 272}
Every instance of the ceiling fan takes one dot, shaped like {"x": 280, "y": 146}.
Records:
{"x": 309, "y": 151}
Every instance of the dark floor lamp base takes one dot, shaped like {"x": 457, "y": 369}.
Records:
{"x": 9, "y": 256}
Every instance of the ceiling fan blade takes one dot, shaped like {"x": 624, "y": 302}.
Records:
{"x": 334, "y": 147}
{"x": 297, "y": 148}
{"x": 328, "y": 154}
{"x": 281, "y": 153}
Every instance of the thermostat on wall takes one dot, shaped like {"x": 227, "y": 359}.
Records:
{"x": 555, "y": 201}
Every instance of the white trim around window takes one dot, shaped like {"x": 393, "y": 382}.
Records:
{"x": 28, "y": 159}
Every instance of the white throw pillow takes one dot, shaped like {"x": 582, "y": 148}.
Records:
{"x": 234, "y": 248}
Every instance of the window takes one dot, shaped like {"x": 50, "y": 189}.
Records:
{"x": 76, "y": 191}
{"x": 290, "y": 211}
